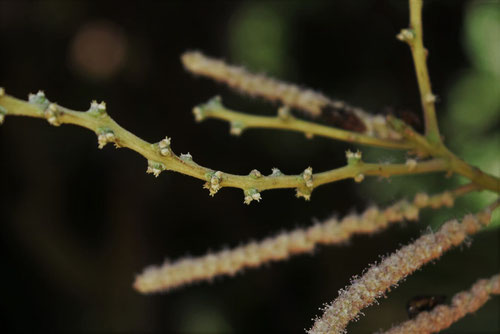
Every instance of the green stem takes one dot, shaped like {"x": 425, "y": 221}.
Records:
{"x": 254, "y": 182}
{"x": 414, "y": 38}
{"x": 240, "y": 121}
{"x": 454, "y": 163}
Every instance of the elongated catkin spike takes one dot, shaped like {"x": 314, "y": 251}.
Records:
{"x": 443, "y": 316}
{"x": 379, "y": 278}
{"x": 228, "y": 262}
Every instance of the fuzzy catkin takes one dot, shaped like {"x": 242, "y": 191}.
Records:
{"x": 443, "y": 316}
{"x": 379, "y": 278}
{"x": 332, "y": 231}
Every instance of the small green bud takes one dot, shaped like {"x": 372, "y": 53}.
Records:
{"x": 97, "y": 109}
{"x": 353, "y": 158}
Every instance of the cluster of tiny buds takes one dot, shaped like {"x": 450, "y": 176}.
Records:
{"x": 301, "y": 192}
{"x": 252, "y": 195}
{"x": 186, "y": 157}
{"x": 105, "y": 136}
{"x": 51, "y": 114}
{"x": 307, "y": 175}
{"x": 284, "y": 113}
{"x": 406, "y": 35}
{"x": 276, "y": 172}
{"x": 430, "y": 98}
{"x": 353, "y": 158}
{"x": 214, "y": 185}
{"x": 39, "y": 99}
{"x": 97, "y": 108}
{"x": 199, "y": 115}
{"x": 411, "y": 163}
{"x": 164, "y": 146}
{"x": 155, "y": 168}
{"x": 255, "y": 174}
{"x": 237, "y": 128}
{"x": 359, "y": 178}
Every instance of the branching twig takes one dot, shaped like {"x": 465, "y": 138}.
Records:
{"x": 455, "y": 164}
{"x": 161, "y": 157}
{"x": 414, "y": 37}
{"x": 228, "y": 262}
{"x": 379, "y": 278}
{"x": 443, "y": 316}
{"x": 240, "y": 121}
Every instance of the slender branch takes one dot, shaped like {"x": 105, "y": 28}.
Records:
{"x": 454, "y": 163}
{"x": 161, "y": 157}
{"x": 414, "y": 37}
{"x": 240, "y": 121}
{"x": 379, "y": 278}
{"x": 176, "y": 274}
{"x": 290, "y": 95}
{"x": 443, "y": 316}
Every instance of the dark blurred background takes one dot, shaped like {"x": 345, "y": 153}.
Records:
{"x": 78, "y": 223}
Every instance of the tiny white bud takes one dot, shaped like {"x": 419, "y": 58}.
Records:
{"x": 307, "y": 175}
{"x": 198, "y": 114}
{"x": 236, "y": 128}
{"x": 309, "y": 135}
{"x": 105, "y": 136}
{"x": 252, "y": 195}
{"x": 430, "y": 98}
{"x": 353, "y": 157}
{"x": 51, "y": 114}
{"x": 411, "y": 163}
{"x": 164, "y": 146}
{"x": 256, "y": 197}
{"x": 359, "y": 178}
{"x": 284, "y": 113}
{"x": 276, "y": 172}
{"x": 101, "y": 140}
{"x": 186, "y": 157}
{"x": 155, "y": 168}
{"x": 255, "y": 174}
{"x": 306, "y": 194}
{"x": 406, "y": 35}
{"x": 214, "y": 184}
